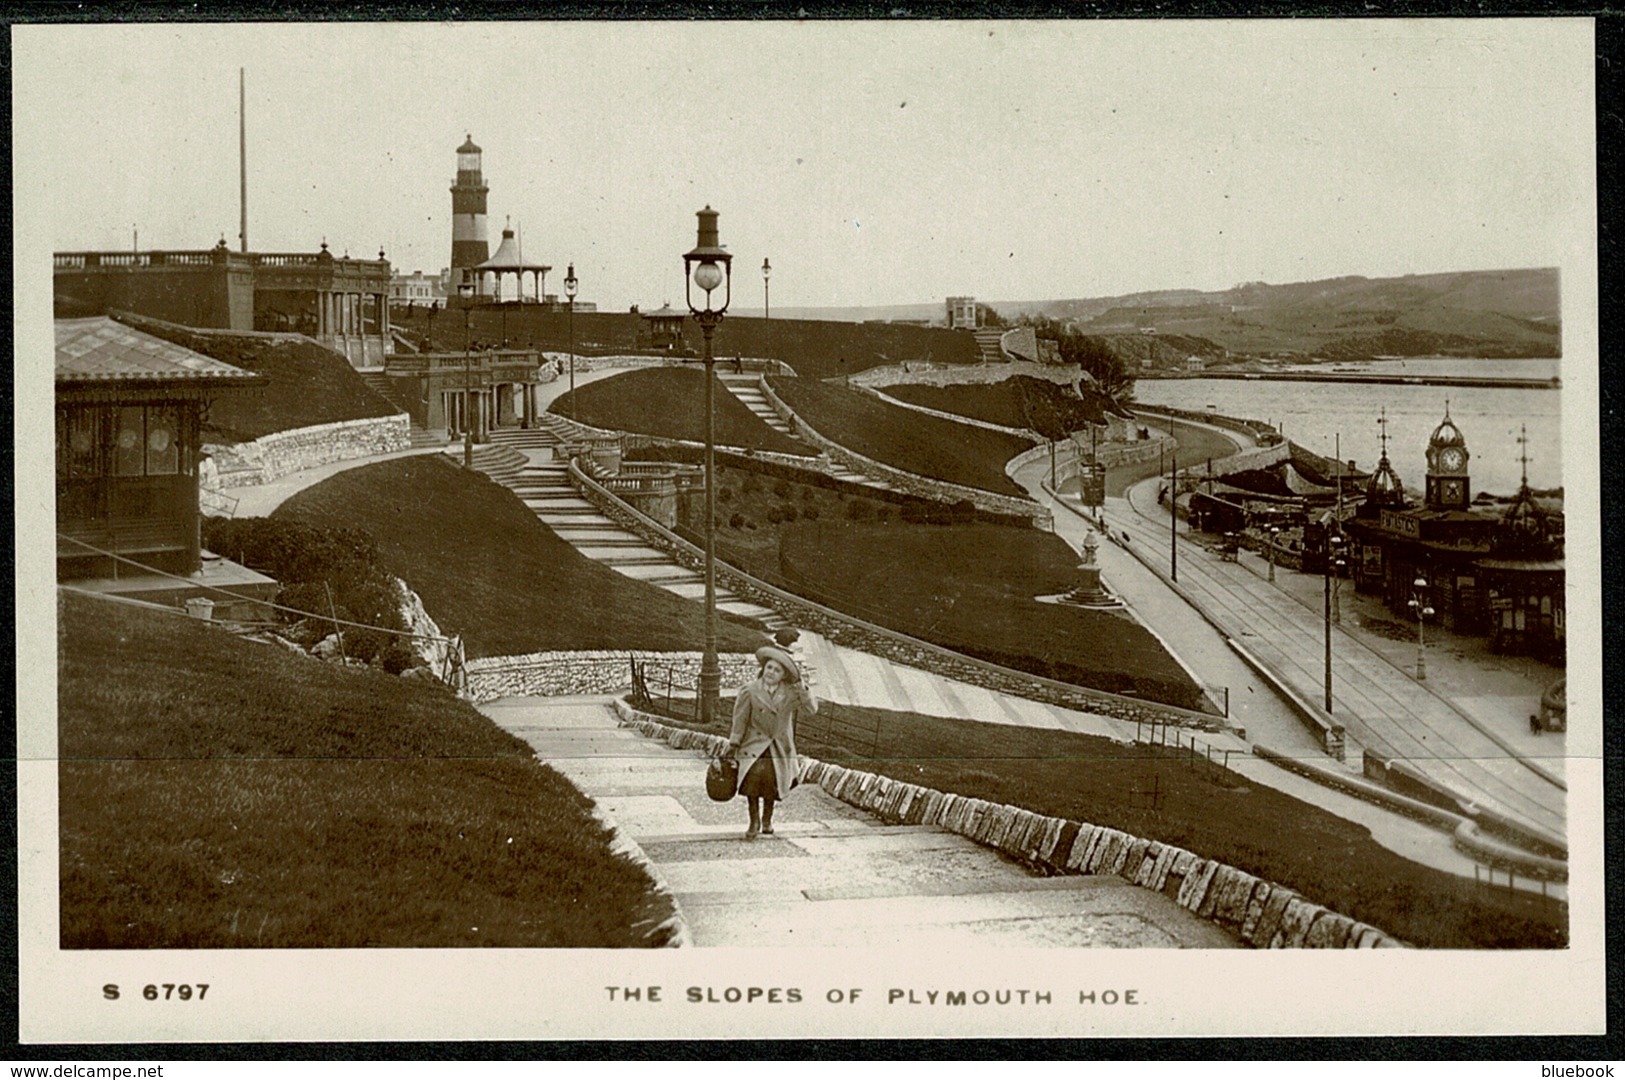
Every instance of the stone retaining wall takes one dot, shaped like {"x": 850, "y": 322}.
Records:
{"x": 588, "y": 362}
{"x": 272, "y": 456}
{"x": 927, "y": 374}
{"x": 572, "y": 430}
{"x": 1465, "y": 834}
{"x": 854, "y": 633}
{"x": 912, "y": 483}
{"x": 565, "y": 674}
{"x": 1258, "y": 912}
{"x": 1068, "y": 454}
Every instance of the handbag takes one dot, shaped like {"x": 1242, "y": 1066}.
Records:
{"x": 722, "y": 779}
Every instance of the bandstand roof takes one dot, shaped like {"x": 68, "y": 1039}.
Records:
{"x": 666, "y": 312}
{"x": 507, "y": 257}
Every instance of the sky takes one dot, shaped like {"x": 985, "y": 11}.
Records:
{"x": 874, "y": 163}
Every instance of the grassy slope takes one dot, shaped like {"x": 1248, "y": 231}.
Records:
{"x": 217, "y": 793}
{"x": 903, "y": 438}
{"x": 971, "y": 588}
{"x": 670, "y": 402}
{"x": 815, "y": 348}
{"x": 487, "y": 569}
{"x": 308, "y": 385}
{"x": 1006, "y": 402}
{"x": 1257, "y": 829}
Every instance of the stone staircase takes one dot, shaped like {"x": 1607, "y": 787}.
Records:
{"x": 747, "y": 388}
{"x": 987, "y": 339}
{"x": 387, "y": 388}
{"x": 523, "y": 461}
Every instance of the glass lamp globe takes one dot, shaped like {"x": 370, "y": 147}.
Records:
{"x": 708, "y": 275}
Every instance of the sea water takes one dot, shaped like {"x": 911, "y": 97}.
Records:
{"x": 1318, "y": 415}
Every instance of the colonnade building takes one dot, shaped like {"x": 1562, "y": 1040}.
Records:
{"x": 341, "y": 302}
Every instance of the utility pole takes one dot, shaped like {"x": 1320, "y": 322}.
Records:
{"x": 1173, "y": 515}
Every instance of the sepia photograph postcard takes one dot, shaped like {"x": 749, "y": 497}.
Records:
{"x": 807, "y": 529}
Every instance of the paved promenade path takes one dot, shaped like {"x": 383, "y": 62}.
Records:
{"x": 832, "y": 875}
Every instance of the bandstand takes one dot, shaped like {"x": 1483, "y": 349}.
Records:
{"x": 509, "y": 259}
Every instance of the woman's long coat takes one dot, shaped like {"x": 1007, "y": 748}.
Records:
{"x": 761, "y": 727}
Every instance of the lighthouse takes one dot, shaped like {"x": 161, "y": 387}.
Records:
{"x": 469, "y": 246}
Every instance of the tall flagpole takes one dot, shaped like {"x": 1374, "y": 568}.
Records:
{"x": 242, "y": 153}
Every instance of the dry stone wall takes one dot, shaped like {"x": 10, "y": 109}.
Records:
{"x": 272, "y": 456}
{"x": 1259, "y": 913}
{"x": 559, "y": 674}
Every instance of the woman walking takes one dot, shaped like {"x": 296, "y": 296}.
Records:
{"x": 763, "y": 738}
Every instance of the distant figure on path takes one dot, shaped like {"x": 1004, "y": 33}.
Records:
{"x": 763, "y": 738}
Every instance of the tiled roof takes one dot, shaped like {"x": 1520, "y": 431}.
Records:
{"x": 99, "y": 349}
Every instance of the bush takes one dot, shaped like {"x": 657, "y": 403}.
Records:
{"x": 810, "y": 513}
{"x": 328, "y": 572}
{"x": 781, "y": 489}
{"x": 787, "y": 511}
{"x": 737, "y": 521}
{"x": 725, "y": 495}
{"x": 860, "y": 510}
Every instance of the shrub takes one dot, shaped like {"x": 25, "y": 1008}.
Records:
{"x": 787, "y": 511}
{"x": 860, "y": 510}
{"x": 810, "y": 513}
{"x": 781, "y": 488}
{"x": 725, "y": 494}
{"x": 736, "y": 521}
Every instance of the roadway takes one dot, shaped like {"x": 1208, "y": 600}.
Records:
{"x": 1381, "y": 707}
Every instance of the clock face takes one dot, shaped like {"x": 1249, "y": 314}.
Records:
{"x": 1452, "y": 458}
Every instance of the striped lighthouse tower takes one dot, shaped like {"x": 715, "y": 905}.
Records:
{"x": 469, "y": 246}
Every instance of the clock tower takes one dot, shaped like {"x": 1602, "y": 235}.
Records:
{"x": 1448, "y": 486}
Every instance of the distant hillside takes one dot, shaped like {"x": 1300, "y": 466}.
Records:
{"x": 1492, "y": 313}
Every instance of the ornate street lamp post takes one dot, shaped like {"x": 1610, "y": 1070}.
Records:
{"x": 767, "y": 272}
{"x": 709, "y": 266}
{"x": 1334, "y": 566}
{"x": 1274, "y": 531}
{"x": 570, "y": 287}
{"x": 1418, "y": 604}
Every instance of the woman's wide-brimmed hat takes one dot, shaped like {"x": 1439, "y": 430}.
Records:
{"x": 782, "y": 658}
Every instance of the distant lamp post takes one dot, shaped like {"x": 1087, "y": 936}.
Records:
{"x": 1269, "y": 540}
{"x": 1334, "y": 566}
{"x": 570, "y": 287}
{"x": 767, "y": 272}
{"x": 1418, "y": 604}
{"x": 709, "y": 266}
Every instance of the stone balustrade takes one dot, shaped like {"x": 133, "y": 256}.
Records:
{"x": 1259, "y": 913}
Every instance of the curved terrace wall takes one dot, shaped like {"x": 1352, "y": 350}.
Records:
{"x": 856, "y": 633}
{"x": 273, "y": 456}
{"x": 1259, "y": 913}
{"x": 561, "y": 674}
{"x": 912, "y": 483}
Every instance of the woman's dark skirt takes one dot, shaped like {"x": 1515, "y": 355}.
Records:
{"x": 761, "y": 781}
